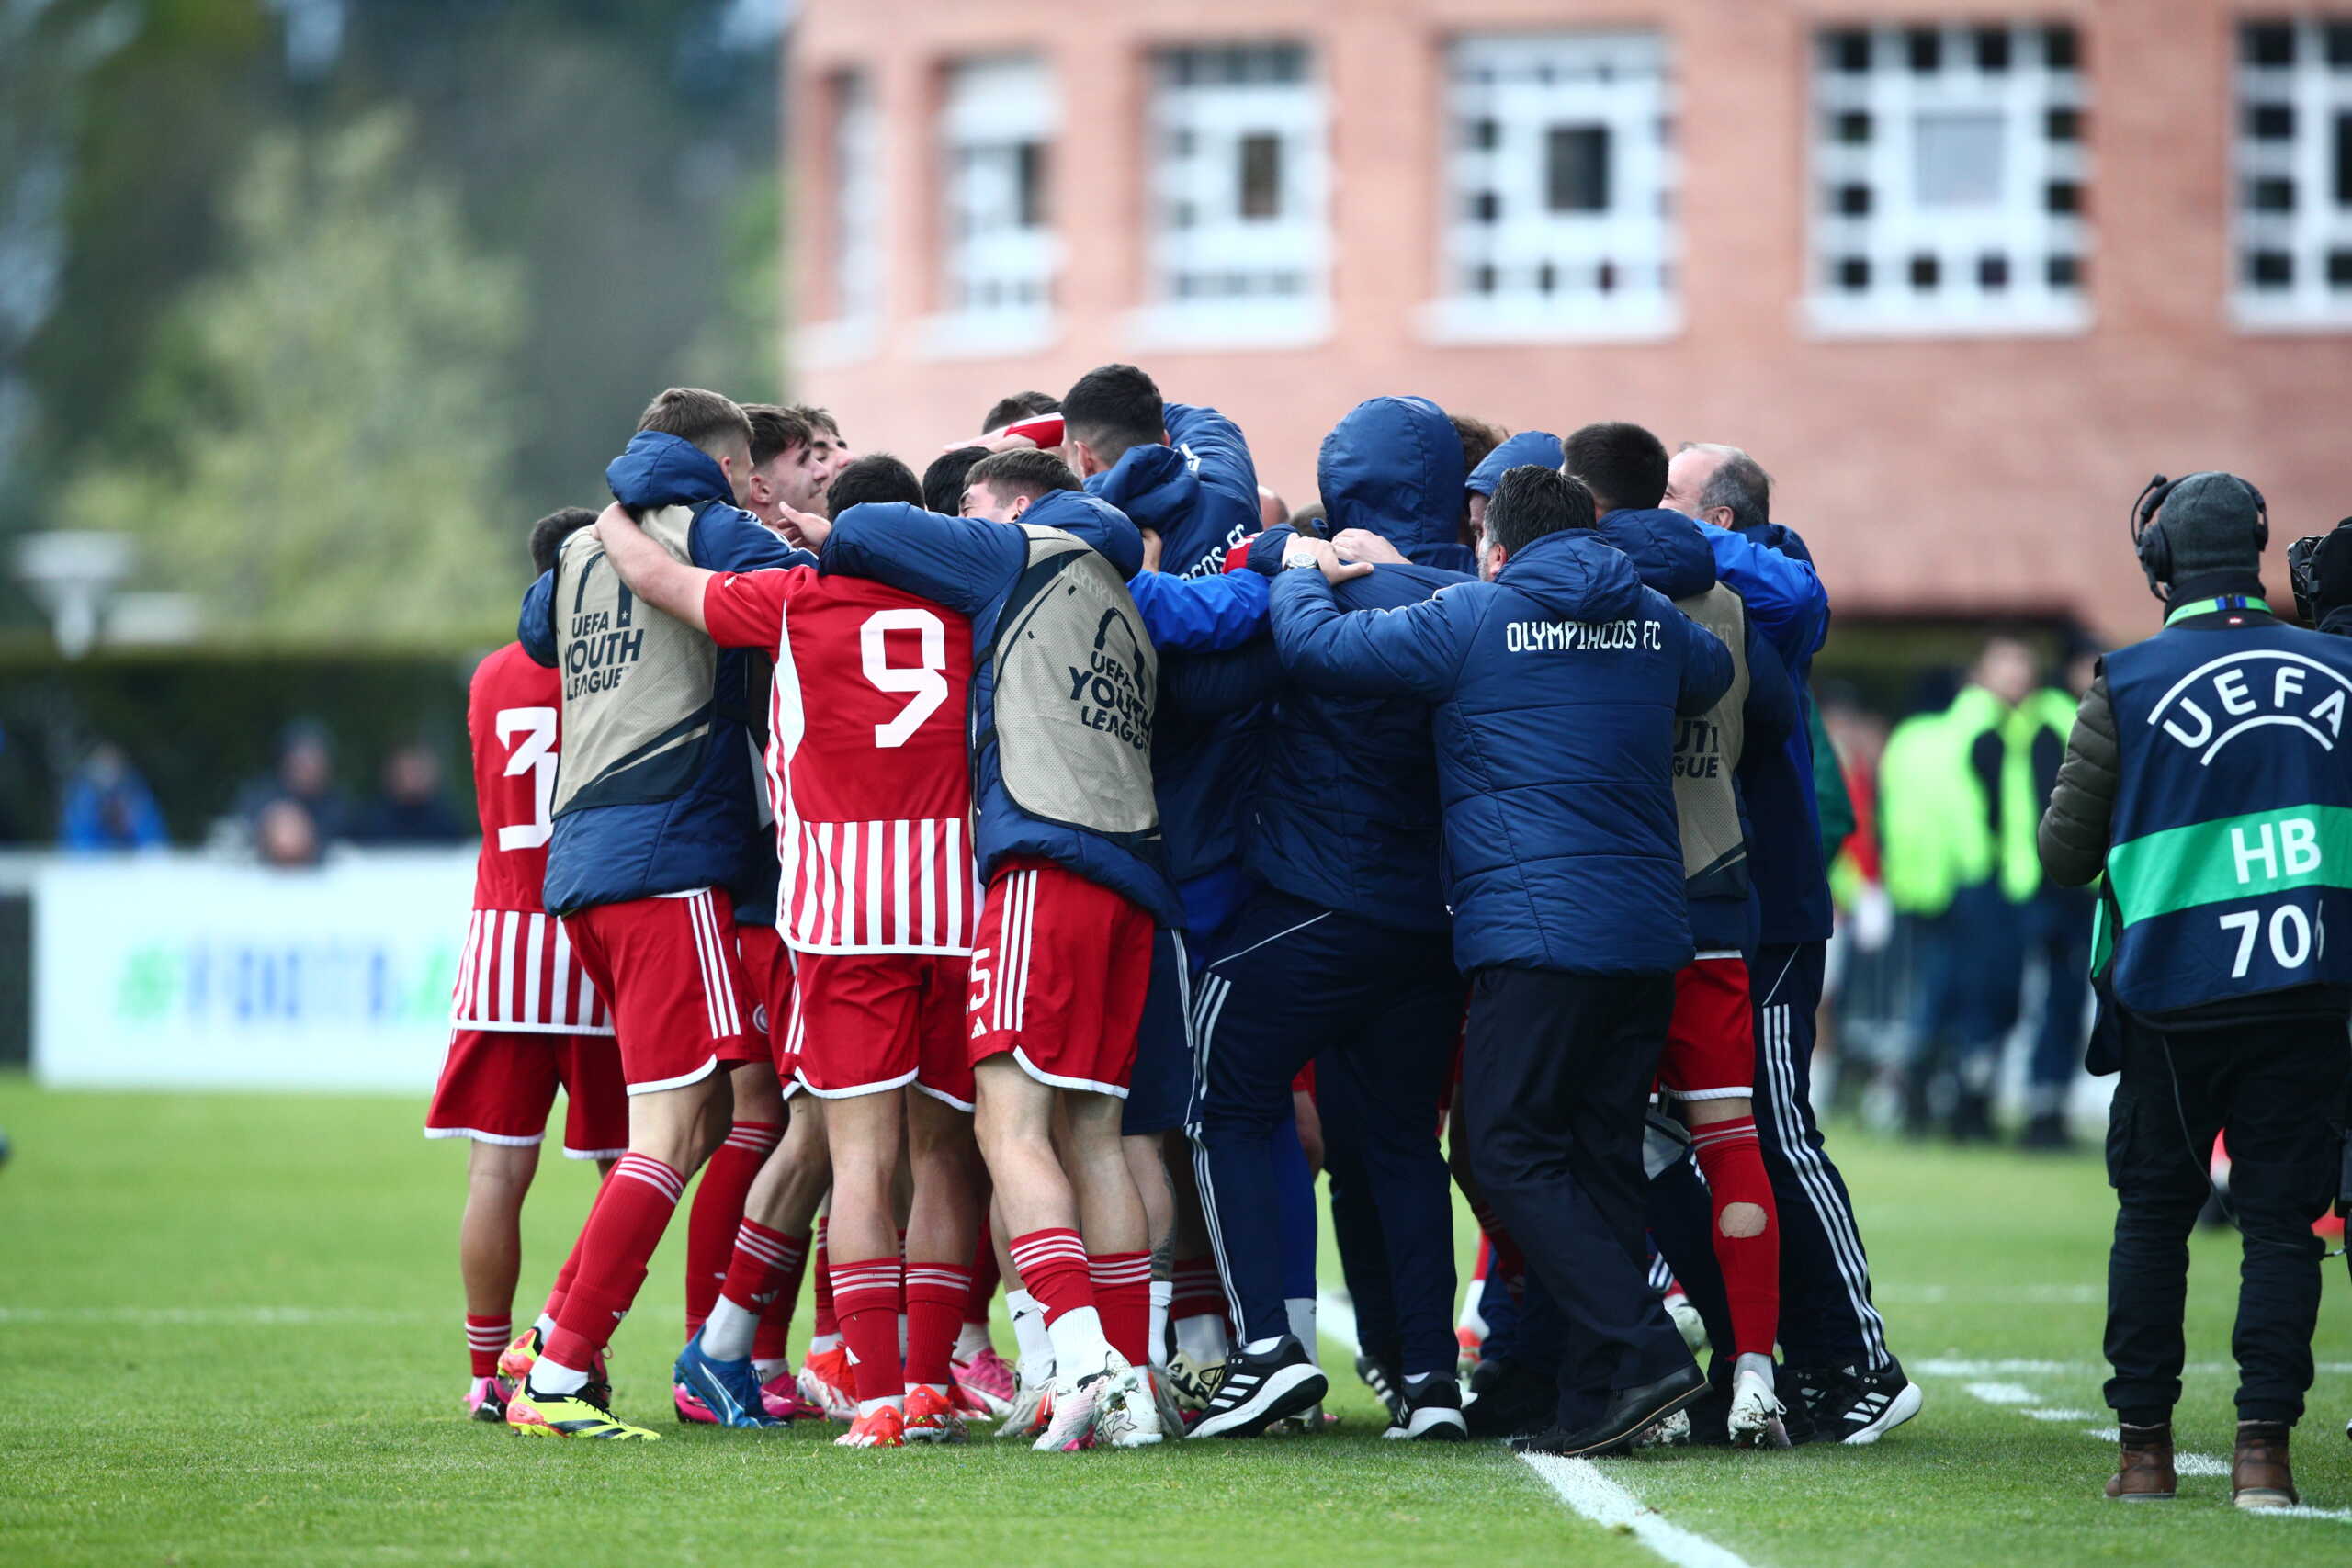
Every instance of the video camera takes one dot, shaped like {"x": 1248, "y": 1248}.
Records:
{"x": 2303, "y": 570}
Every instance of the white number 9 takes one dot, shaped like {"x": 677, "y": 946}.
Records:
{"x": 925, "y": 685}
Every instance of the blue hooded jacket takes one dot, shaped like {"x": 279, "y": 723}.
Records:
{"x": 1671, "y": 555}
{"x": 1346, "y": 814}
{"x": 709, "y": 834}
{"x": 1784, "y": 853}
{"x": 1540, "y": 447}
{"x": 970, "y": 565}
{"x": 1557, "y": 687}
{"x": 1199, "y": 493}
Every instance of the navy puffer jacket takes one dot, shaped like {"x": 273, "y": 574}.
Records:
{"x": 1346, "y": 814}
{"x": 1557, "y": 687}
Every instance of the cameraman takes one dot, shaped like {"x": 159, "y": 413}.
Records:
{"x": 2201, "y": 778}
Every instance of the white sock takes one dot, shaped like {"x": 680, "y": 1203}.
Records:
{"x": 726, "y": 1333}
{"x": 868, "y": 1406}
{"x": 1262, "y": 1346}
{"x": 1752, "y": 1362}
{"x": 1029, "y": 1332}
{"x": 1201, "y": 1338}
{"x": 970, "y": 1340}
{"x": 902, "y": 1338}
{"x": 553, "y": 1377}
{"x": 769, "y": 1370}
{"x": 820, "y": 1343}
{"x": 1162, "y": 1293}
{"x": 545, "y": 1325}
{"x": 1078, "y": 1346}
{"x": 1300, "y": 1309}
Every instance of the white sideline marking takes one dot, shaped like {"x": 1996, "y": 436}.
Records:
{"x": 213, "y": 1318}
{"x": 2058, "y": 1415}
{"x": 1948, "y": 1367}
{"x": 1907, "y": 1294}
{"x": 1578, "y": 1483}
{"x": 2002, "y": 1392}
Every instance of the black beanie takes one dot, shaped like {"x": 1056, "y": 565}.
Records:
{"x": 2211, "y": 522}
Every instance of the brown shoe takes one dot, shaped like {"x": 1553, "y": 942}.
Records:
{"x": 2143, "y": 1472}
{"x": 2259, "y": 1474}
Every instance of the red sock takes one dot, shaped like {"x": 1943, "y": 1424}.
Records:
{"x": 867, "y": 1296}
{"x": 935, "y": 1294}
{"x": 630, "y": 1216}
{"x": 1508, "y": 1260}
{"x": 772, "y": 1342}
{"x": 719, "y": 1206}
{"x": 823, "y": 1322}
{"x": 1733, "y": 1163}
{"x": 485, "y": 1337}
{"x": 1053, "y": 1269}
{"x": 984, "y": 1278}
{"x": 757, "y": 1266}
{"x": 571, "y": 1270}
{"x": 1199, "y": 1291}
{"x": 1122, "y": 1282}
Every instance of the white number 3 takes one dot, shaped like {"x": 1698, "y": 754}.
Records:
{"x": 925, "y": 685}
{"x": 533, "y": 753}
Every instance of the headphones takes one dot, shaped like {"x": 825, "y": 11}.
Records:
{"x": 2148, "y": 533}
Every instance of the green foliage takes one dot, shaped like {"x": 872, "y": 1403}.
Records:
{"x": 321, "y": 440}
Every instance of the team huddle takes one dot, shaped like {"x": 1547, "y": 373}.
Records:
{"x": 1043, "y": 866}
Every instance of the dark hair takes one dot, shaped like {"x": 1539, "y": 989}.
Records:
{"x": 1532, "y": 501}
{"x": 1623, "y": 464}
{"x": 549, "y": 534}
{"x": 774, "y": 430}
{"x": 707, "y": 419}
{"x": 1024, "y": 470}
{"x": 1114, "y": 407}
{"x": 1739, "y": 482}
{"x": 819, "y": 419}
{"x": 1020, "y": 406}
{"x": 1478, "y": 438}
{"x": 878, "y": 476}
{"x": 943, "y": 482}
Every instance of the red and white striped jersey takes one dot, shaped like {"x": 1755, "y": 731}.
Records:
{"x": 516, "y": 971}
{"x": 866, "y": 764}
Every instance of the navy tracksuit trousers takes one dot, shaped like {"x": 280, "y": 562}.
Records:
{"x": 1377, "y": 1009}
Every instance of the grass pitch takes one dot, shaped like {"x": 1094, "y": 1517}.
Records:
{"x": 229, "y": 1334}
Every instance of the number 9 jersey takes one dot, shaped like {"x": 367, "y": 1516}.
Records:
{"x": 517, "y": 971}
{"x": 867, "y": 767}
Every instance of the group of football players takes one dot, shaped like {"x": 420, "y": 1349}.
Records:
{"x": 956, "y": 871}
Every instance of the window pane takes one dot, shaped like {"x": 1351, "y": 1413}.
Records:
{"x": 1029, "y": 177}
{"x": 2344, "y": 159}
{"x": 1576, "y": 175}
{"x": 1261, "y": 175}
{"x": 1956, "y": 159}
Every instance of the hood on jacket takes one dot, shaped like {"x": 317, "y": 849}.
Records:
{"x": 1777, "y": 537}
{"x": 1393, "y": 466}
{"x": 1667, "y": 548}
{"x": 656, "y": 469}
{"x": 1094, "y": 520}
{"x": 1540, "y": 447}
{"x": 1153, "y": 485}
{"x": 1576, "y": 576}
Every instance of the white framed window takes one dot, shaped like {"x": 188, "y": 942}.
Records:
{"x": 853, "y": 166}
{"x": 1559, "y": 187}
{"x": 1000, "y": 254}
{"x": 2291, "y": 251}
{"x": 1949, "y": 175}
{"x": 1239, "y": 247}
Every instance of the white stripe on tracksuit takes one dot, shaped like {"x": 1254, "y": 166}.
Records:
{"x": 1836, "y": 1219}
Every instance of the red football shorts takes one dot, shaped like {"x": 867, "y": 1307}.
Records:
{"x": 1059, "y": 970}
{"x": 867, "y": 1021}
{"x": 767, "y": 980}
{"x": 497, "y": 1087}
{"x": 1711, "y": 1041}
{"x": 667, "y": 968}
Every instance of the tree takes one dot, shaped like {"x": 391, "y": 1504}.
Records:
{"x": 319, "y": 444}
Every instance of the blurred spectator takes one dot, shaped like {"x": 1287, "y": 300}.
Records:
{"x": 284, "y": 834}
{"x": 108, "y": 807}
{"x": 1866, "y": 998}
{"x": 1959, "y": 794}
{"x": 410, "y": 810}
{"x": 2058, "y": 923}
{"x": 305, "y": 775}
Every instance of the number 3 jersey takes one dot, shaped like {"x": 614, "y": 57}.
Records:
{"x": 517, "y": 972}
{"x": 868, "y": 764}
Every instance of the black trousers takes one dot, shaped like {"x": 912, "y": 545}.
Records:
{"x": 1555, "y": 1073}
{"x": 2276, "y": 1091}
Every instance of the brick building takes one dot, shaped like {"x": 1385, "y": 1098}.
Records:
{"x": 1959, "y": 274}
